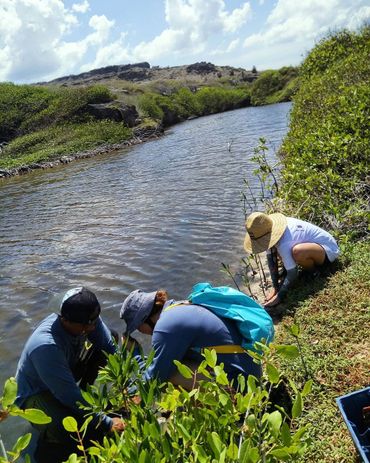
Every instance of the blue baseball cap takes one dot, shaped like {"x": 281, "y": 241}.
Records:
{"x": 136, "y": 309}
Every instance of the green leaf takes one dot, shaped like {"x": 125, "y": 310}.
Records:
{"x": 297, "y": 406}
{"x": 272, "y": 373}
{"x": 72, "y": 458}
{"x": 22, "y": 443}
{"x": 221, "y": 377}
{"x": 70, "y": 424}
{"x": 33, "y": 415}
{"x": 211, "y": 357}
{"x": 184, "y": 432}
{"x": 287, "y": 351}
{"x": 285, "y": 434}
{"x": 199, "y": 454}
{"x": 275, "y": 419}
{"x": 86, "y": 423}
{"x": 251, "y": 383}
{"x": 215, "y": 443}
{"x": 9, "y": 393}
{"x": 184, "y": 370}
{"x": 294, "y": 329}
{"x": 249, "y": 454}
{"x": 307, "y": 388}
{"x": 281, "y": 454}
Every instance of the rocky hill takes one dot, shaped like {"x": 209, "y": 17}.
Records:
{"x": 142, "y": 73}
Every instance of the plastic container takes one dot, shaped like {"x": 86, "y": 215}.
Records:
{"x": 351, "y": 407}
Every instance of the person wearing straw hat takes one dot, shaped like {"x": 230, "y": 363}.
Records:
{"x": 296, "y": 242}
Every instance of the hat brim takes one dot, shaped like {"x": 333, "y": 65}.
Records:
{"x": 139, "y": 306}
{"x": 265, "y": 242}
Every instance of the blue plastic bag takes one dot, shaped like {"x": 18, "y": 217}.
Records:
{"x": 252, "y": 320}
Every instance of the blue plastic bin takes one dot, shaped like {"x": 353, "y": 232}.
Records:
{"x": 351, "y": 406}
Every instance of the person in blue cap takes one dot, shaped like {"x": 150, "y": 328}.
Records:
{"x": 55, "y": 364}
{"x": 180, "y": 331}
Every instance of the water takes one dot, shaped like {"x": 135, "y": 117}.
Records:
{"x": 164, "y": 214}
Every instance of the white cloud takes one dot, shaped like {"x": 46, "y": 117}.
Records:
{"x": 192, "y": 23}
{"x": 29, "y": 30}
{"x": 83, "y": 7}
{"x": 32, "y": 39}
{"x": 301, "y": 23}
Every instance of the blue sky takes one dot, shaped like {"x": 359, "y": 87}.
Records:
{"x": 44, "y": 39}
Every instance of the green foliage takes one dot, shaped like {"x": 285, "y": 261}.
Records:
{"x": 332, "y": 326}
{"x": 25, "y": 108}
{"x": 327, "y": 153}
{"x": 183, "y": 103}
{"x": 9, "y": 408}
{"x": 211, "y": 423}
{"x": 55, "y": 141}
{"x": 274, "y": 86}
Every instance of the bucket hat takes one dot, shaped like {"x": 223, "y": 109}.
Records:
{"x": 136, "y": 308}
{"x": 263, "y": 231}
{"x": 80, "y": 305}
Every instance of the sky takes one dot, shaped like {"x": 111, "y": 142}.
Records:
{"x": 44, "y": 39}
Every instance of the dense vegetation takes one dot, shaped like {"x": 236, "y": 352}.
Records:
{"x": 327, "y": 150}
{"x": 43, "y": 123}
{"x": 274, "y": 86}
{"x": 325, "y": 179}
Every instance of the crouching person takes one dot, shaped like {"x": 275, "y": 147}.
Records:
{"x": 180, "y": 331}
{"x": 54, "y": 360}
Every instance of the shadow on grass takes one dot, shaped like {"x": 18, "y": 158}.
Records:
{"x": 307, "y": 285}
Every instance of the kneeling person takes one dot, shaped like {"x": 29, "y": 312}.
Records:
{"x": 54, "y": 359}
{"x": 180, "y": 331}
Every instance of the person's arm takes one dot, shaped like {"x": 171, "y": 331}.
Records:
{"x": 53, "y": 369}
{"x": 290, "y": 277}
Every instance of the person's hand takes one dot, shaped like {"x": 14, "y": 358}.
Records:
{"x": 275, "y": 300}
{"x": 118, "y": 425}
{"x": 270, "y": 295}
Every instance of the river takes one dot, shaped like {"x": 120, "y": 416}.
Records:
{"x": 163, "y": 214}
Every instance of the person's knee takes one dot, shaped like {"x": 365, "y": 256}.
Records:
{"x": 299, "y": 253}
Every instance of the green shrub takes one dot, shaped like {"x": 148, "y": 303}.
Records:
{"x": 326, "y": 152}
{"x": 55, "y": 141}
{"x": 25, "y": 108}
{"x": 273, "y": 86}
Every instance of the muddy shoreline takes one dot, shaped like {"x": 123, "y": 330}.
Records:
{"x": 139, "y": 136}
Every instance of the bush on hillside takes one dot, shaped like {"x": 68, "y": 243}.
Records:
{"x": 326, "y": 152}
{"x": 25, "y": 108}
{"x": 183, "y": 103}
{"x": 274, "y": 86}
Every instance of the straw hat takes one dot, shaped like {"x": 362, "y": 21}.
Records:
{"x": 263, "y": 231}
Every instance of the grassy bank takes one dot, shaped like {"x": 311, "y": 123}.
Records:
{"x": 43, "y": 123}
{"x": 325, "y": 179}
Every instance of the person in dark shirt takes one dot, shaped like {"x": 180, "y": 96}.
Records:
{"x": 65, "y": 350}
{"x": 180, "y": 331}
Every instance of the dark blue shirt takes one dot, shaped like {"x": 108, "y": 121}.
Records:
{"x": 48, "y": 358}
{"x": 183, "y": 329}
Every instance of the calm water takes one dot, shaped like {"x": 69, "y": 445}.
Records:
{"x": 162, "y": 214}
